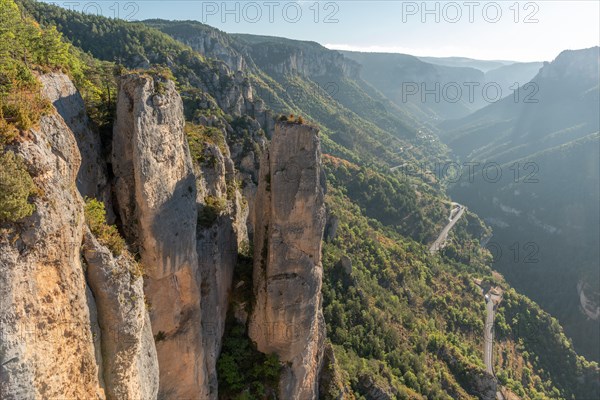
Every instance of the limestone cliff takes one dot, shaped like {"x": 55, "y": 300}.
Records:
{"x": 72, "y": 324}
{"x": 289, "y": 221}
{"x": 92, "y": 180}
{"x": 588, "y": 300}
{"x": 308, "y": 59}
{"x": 48, "y": 328}
{"x": 156, "y": 193}
{"x": 204, "y": 39}
{"x": 78, "y": 321}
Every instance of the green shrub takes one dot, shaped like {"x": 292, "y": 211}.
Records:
{"x": 108, "y": 235}
{"x": 23, "y": 108}
{"x": 209, "y": 213}
{"x": 292, "y": 119}
{"x": 16, "y": 186}
{"x": 198, "y": 136}
{"x": 243, "y": 371}
{"x": 8, "y": 132}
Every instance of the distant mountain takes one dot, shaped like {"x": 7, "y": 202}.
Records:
{"x": 439, "y": 89}
{"x": 545, "y": 204}
{"x": 482, "y": 65}
{"x": 560, "y": 105}
{"x": 510, "y": 77}
{"x": 407, "y": 80}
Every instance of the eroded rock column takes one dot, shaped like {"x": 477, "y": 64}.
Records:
{"x": 130, "y": 362}
{"x": 289, "y": 221}
{"x": 156, "y": 193}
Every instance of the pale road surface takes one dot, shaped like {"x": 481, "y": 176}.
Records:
{"x": 454, "y": 217}
{"x": 488, "y": 336}
{"x": 488, "y": 341}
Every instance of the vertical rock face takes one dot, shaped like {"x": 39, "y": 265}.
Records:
{"x": 49, "y": 338}
{"x": 130, "y": 362}
{"x": 289, "y": 221}
{"x": 155, "y": 184}
{"x": 312, "y": 60}
{"x": 92, "y": 177}
{"x": 218, "y": 243}
{"x": 156, "y": 194}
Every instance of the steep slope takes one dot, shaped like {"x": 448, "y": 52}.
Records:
{"x": 560, "y": 108}
{"x": 73, "y": 318}
{"x": 510, "y": 77}
{"x": 548, "y": 194}
{"x": 402, "y": 322}
{"x": 333, "y": 74}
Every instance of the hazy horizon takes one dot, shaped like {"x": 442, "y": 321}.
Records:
{"x": 505, "y": 30}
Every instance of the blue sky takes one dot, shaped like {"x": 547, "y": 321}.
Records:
{"x": 506, "y": 30}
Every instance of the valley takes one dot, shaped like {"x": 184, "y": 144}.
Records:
{"x": 191, "y": 213}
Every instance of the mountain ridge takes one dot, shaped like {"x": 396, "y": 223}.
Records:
{"x": 400, "y": 322}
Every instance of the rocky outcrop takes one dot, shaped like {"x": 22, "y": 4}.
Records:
{"x": 130, "y": 362}
{"x": 154, "y": 185}
{"x": 92, "y": 180}
{"x": 289, "y": 221}
{"x": 374, "y": 390}
{"x": 588, "y": 300}
{"x": 308, "y": 59}
{"x": 156, "y": 193}
{"x": 331, "y": 227}
{"x": 484, "y": 386}
{"x": 219, "y": 239}
{"x": 331, "y": 384}
{"x": 207, "y": 41}
{"x": 49, "y": 337}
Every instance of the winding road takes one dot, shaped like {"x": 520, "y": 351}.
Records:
{"x": 488, "y": 335}
{"x": 455, "y": 214}
{"x": 492, "y": 298}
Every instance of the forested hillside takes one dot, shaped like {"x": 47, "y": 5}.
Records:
{"x": 546, "y": 147}
{"x": 401, "y": 321}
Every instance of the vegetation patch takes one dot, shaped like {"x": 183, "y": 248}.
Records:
{"x": 291, "y": 119}
{"x": 243, "y": 371}
{"x": 27, "y": 49}
{"x": 16, "y": 187}
{"x": 20, "y": 111}
{"x": 107, "y": 235}
{"x": 210, "y": 211}
{"x": 198, "y": 136}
